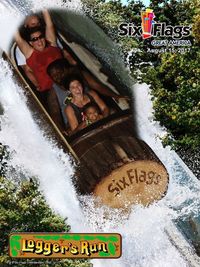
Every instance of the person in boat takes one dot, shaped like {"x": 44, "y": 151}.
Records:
{"x": 40, "y": 50}
{"x": 32, "y": 21}
{"x": 91, "y": 114}
{"x": 59, "y": 70}
{"x": 79, "y": 98}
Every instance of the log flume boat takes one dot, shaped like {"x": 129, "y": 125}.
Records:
{"x": 112, "y": 162}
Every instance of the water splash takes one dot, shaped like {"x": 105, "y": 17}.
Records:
{"x": 75, "y": 6}
{"x": 34, "y": 154}
{"x": 9, "y": 18}
{"x": 144, "y": 230}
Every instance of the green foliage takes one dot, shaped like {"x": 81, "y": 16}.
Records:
{"x": 109, "y": 15}
{"x": 3, "y": 159}
{"x": 196, "y": 28}
{"x": 24, "y": 209}
{"x": 174, "y": 79}
{"x": 176, "y": 96}
{"x": 172, "y": 12}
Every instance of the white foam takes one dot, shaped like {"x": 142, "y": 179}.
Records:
{"x": 35, "y": 154}
{"x": 9, "y": 19}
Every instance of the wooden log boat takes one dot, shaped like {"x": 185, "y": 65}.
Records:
{"x": 119, "y": 168}
{"x": 112, "y": 162}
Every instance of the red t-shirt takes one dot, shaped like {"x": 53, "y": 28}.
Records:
{"x": 39, "y": 61}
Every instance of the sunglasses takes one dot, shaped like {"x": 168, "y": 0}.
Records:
{"x": 34, "y": 39}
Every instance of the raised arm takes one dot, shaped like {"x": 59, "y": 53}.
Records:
{"x": 50, "y": 29}
{"x": 104, "y": 109}
{"x": 26, "y": 49}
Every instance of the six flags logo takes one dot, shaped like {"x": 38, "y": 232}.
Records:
{"x": 147, "y": 22}
{"x": 149, "y": 28}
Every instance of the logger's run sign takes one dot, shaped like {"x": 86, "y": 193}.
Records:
{"x": 64, "y": 245}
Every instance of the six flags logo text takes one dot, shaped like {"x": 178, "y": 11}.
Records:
{"x": 149, "y": 28}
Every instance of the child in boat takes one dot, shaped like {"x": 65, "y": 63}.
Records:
{"x": 91, "y": 113}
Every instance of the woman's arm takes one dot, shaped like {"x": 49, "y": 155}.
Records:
{"x": 50, "y": 32}
{"x": 26, "y": 49}
{"x": 99, "y": 87}
{"x": 71, "y": 117}
{"x": 104, "y": 109}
